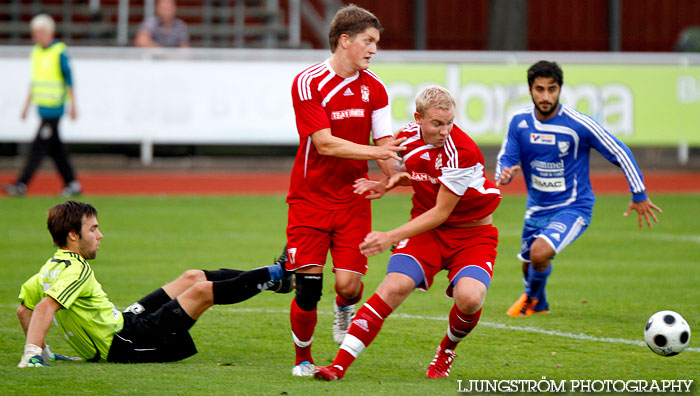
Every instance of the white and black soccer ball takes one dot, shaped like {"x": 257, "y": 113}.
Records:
{"x": 667, "y": 333}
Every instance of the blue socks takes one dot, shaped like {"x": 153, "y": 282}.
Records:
{"x": 537, "y": 280}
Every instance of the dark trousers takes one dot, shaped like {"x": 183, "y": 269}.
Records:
{"x": 47, "y": 141}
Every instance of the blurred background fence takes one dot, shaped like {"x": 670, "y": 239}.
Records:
{"x": 632, "y": 65}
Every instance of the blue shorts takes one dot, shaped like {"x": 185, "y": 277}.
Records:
{"x": 558, "y": 231}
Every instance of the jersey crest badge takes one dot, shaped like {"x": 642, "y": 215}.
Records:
{"x": 563, "y": 148}
{"x": 425, "y": 156}
{"x": 523, "y": 124}
{"x": 438, "y": 161}
{"x": 364, "y": 91}
{"x": 348, "y": 92}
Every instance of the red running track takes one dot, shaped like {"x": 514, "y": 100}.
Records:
{"x": 255, "y": 183}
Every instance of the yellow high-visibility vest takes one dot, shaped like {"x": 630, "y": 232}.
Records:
{"x": 48, "y": 85}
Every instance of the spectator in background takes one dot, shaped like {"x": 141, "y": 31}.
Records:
{"x": 51, "y": 88}
{"x": 163, "y": 29}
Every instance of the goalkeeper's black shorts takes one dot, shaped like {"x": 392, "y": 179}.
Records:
{"x": 160, "y": 336}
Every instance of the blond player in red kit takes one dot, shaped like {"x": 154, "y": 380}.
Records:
{"x": 450, "y": 229}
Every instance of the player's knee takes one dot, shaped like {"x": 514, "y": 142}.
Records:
{"x": 21, "y": 310}
{"x": 540, "y": 254}
{"x": 396, "y": 286}
{"x": 348, "y": 289}
{"x": 202, "y": 292}
{"x": 469, "y": 302}
{"x": 193, "y": 276}
{"x": 309, "y": 288}
{"x": 469, "y": 294}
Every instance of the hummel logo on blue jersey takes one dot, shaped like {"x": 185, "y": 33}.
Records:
{"x": 523, "y": 124}
{"x": 348, "y": 92}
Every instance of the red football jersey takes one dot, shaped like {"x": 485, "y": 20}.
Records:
{"x": 458, "y": 165}
{"x": 351, "y": 107}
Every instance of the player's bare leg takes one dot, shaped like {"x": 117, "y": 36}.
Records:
{"x": 197, "y": 299}
{"x": 184, "y": 282}
{"x": 348, "y": 286}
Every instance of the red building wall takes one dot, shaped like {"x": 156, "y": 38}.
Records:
{"x": 648, "y": 25}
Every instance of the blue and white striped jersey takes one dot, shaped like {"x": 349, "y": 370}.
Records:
{"x": 554, "y": 157}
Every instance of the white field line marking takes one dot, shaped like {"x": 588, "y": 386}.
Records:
{"x": 679, "y": 238}
{"x": 501, "y": 326}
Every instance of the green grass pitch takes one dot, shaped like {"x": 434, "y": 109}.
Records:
{"x": 602, "y": 290}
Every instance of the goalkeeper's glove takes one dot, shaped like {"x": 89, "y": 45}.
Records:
{"x": 47, "y": 355}
{"x": 32, "y": 357}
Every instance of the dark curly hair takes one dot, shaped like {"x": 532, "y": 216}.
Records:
{"x": 545, "y": 69}
{"x": 66, "y": 217}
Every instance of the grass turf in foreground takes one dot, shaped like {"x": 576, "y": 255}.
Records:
{"x": 605, "y": 285}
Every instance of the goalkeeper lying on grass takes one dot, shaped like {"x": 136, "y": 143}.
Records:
{"x": 155, "y": 329}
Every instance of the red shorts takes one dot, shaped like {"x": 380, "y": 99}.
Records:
{"x": 462, "y": 251}
{"x": 312, "y": 232}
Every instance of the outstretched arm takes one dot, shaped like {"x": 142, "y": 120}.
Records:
{"x": 41, "y": 320}
{"x": 327, "y": 144}
{"x": 376, "y": 189}
{"x": 376, "y": 242}
{"x": 389, "y": 166}
{"x": 644, "y": 209}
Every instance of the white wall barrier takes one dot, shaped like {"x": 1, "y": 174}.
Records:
{"x": 231, "y": 96}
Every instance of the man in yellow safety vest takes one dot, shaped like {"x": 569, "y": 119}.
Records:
{"x": 51, "y": 88}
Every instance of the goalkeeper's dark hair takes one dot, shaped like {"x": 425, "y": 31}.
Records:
{"x": 66, "y": 217}
{"x": 545, "y": 69}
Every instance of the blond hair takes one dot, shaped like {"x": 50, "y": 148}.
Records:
{"x": 434, "y": 96}
{"x": 43, "y": 22}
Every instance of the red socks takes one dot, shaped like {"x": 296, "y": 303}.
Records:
{"x": 303, "y": 325}
{"x": 460, "y": 325}
{"x": 365, "y": 326}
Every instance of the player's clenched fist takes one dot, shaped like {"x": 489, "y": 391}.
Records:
{"x": 375, "y": 242}
{"x": 507, "y": 174}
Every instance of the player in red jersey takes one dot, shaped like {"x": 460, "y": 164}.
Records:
{"x": 337, "y": 104}
{"x": 450, "y": 229}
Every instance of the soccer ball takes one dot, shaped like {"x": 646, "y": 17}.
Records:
{"x": 667, "y": 333}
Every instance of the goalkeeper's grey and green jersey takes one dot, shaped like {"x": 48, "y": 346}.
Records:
{"x": 88, "y": 320}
